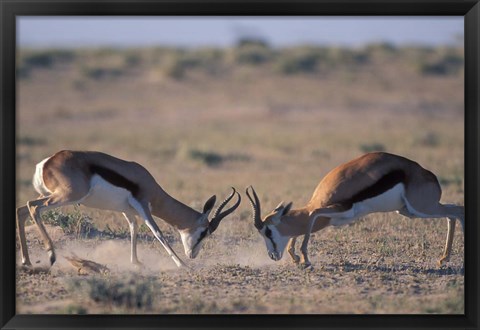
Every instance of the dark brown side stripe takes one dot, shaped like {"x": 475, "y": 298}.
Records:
{"x": 387, "y": 182}
{"x": 115, "y": 179}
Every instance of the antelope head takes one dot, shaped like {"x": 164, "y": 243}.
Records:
{"x": 193, "y": 238}
{"x": 268, "y": 227}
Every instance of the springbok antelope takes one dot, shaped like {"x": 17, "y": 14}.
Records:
{"x": 374, "y": 182}
{"x": 102, "y": 181}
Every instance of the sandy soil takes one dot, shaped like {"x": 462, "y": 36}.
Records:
{"x": 241, "y": 280}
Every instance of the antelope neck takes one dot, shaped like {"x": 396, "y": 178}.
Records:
{"x": 173, "y": 211}
{"x": 296, "y": 222}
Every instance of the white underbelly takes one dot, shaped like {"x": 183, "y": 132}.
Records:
{"x": 106, "y": 196}
{"x": 390, "y": 200}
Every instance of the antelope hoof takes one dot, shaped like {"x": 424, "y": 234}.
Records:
{"x": 137, "y": 264}
{"x": 306, "y": 265}
{"x": 27, "y": 264}
{"x": 442, "y": 261}
{"x": 295, "y": 259}
{"x": 26, "y": 267}
{"x": 52, "y": 257}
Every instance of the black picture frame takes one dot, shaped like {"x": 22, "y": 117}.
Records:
{"x": 11, "y": 8}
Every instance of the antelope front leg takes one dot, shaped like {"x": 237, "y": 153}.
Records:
{"x": 304, "y": 262}
{"x": 132, "y": 223}
{"x": 144, "y": 212}
{"x": 291, "y": 250}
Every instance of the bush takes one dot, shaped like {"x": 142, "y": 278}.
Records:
{"x": 132, "y": 59}
{"x": 176, "y": 63}
{"x": 429, "y": 139}
{"x": 382, "y": 47}
{"x": 209, "y": 158}
{"x": 31, "y": 141}
{"x": 29, "y": 60}
{"x": 252, "y": 41}
{"x": 46, "y": 58}
{"x": 99, "y": 73}
{"x": 252, "y": 54}
{"x": 297, "y": 63}
{"x": 74, "y": 223}
{"x": 448, "y": 64}
{"x": 74, "y": 309}
{"x": 371, "y": 147}
{"x": 306, "y": 59}
{"x": 133, "y": 292}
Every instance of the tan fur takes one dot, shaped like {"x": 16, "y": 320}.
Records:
{"x": 67, "y": 176}
{"x": 422, "y": 192}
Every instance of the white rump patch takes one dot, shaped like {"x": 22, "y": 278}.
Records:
{"x": 38, "y": 182}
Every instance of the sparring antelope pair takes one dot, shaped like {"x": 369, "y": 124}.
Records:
{"x": 375, "y": 182}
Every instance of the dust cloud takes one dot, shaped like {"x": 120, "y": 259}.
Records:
{"x": 115, "y": 255}
{"x": 224, "y": 247}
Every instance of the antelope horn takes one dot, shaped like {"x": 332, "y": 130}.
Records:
{"x": 218, "y": 215}
{"x": 256, "y": 209}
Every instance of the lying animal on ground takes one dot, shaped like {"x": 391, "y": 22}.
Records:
{"x": 98, "y": 180}
{"x": 374, "y": 182}
{"x": 86, "y": 267}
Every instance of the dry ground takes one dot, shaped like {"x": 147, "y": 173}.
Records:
{"x": 200, "y": 135}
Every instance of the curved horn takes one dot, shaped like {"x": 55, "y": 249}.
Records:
{"x": 218, "y": 215}
{"x": 256, "y": 209}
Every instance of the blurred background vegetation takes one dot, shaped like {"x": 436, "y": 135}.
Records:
{"x": 245, "y": 110}
{"x": 178, "y": 63}
{"x": 204, "y": 119}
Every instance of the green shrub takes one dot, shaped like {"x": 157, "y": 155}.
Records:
{"x": 46, "y": 58}
{"x": 74, "y": 309}
{"x": 31, "y": 141}
{"x": 456, "y": 180}
{"x": 429, "y": 139}
{"x": 29, "y": 60}
{"x": 176, "y": 63}
{"x": 209, "y": 158}
{"x": 175, "y": 68}
{"x": 296, "y": 64}
{"x": 99, "y": 73}
{"x": 38, "y": 60}
{"x": 74, "y": 223}
{"x": 381, "y": 48}
{"x": 302, "y": 59}
{"x": 448, "y": 64}
{"x": 132, "y": 292}
{"x": 252, "y": 41}
{"x": 132, "y": 59}
{"x": 371, "y": 147}
{"x": 252, "y": 54}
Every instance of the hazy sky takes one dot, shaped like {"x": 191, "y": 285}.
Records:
{"x": 224, "y": 31}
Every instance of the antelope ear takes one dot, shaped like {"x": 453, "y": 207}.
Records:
{"x": 279, "y": 207}
{"x": 209, "y": 204}
{"x": 286, "y": 209}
